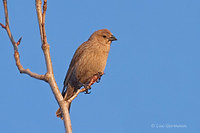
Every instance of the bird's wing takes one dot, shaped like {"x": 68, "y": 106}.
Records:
{"x": 72, "y": 65}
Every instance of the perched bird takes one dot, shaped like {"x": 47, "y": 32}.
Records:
{"x": 88, "y": 62}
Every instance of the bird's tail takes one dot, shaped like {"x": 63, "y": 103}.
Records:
{"x": 68, "y": 94}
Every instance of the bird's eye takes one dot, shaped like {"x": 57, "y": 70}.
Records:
{"x": 104, "y": 36}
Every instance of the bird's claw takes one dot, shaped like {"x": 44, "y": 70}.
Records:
{"x": 87, "y": 92}
{"x": 87, "y": 87}
{"x": 95, "y": 78}
{"x": 98, "y": 80}
{"x": 99, "y": 74}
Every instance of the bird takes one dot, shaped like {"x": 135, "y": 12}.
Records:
{"x": 87, "y": 64}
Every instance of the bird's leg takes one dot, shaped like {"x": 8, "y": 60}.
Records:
{"x": 87, "y": 87}
{"x": 95, "y": 78}
{"x": 99, "y": 76}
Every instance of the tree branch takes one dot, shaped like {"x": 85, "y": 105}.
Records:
{"x": 49, "y": 76}
{"x": 51, "y": 79}
{"x": 15, "y": 46}
{"x": 76, "y": 94}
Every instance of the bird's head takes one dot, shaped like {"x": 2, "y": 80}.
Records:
{"x": 103, "y": 36}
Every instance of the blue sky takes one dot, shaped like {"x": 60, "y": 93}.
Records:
{"x": 152, "y": 76}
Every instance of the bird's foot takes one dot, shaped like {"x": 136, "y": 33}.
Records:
{"x": 87, "y": 92}
{"x": 87, "y": 87}
{"x": 99, "y": 74}
{"x": 95, "y": 78}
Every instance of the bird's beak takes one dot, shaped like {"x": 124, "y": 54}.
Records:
{"x": 112, "y": 38}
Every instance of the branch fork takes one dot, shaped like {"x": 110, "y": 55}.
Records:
{"x": 49, "y": 75}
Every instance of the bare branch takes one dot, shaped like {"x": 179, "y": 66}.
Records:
{"x": 6, "y": 27}
{"x": 76, "y": 94}
{"x": 38, "y": 4}
{"x": 26, "y": 71}
{"x": 51, "y": 79}
{"x": 43, "y": 21}
{"x": 3, "y": 26}
{"x": 49, "y": 76}
{"x": 15, "y": 45}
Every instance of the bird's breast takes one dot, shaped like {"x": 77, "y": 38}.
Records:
{"x": 92, "y": 62}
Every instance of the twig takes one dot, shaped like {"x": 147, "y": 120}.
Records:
{"x": 15, "y": 46}
{"x": 76, "y": 94}
{"x": 49, "y": 76}
{"x": 51, "y": 79}
{"x": 38, "y": 4}
{"x": 3, "y": 26}
{"x": 43, "y": 22}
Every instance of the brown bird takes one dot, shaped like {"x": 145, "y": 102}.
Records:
{"x": 87, "y": 64}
